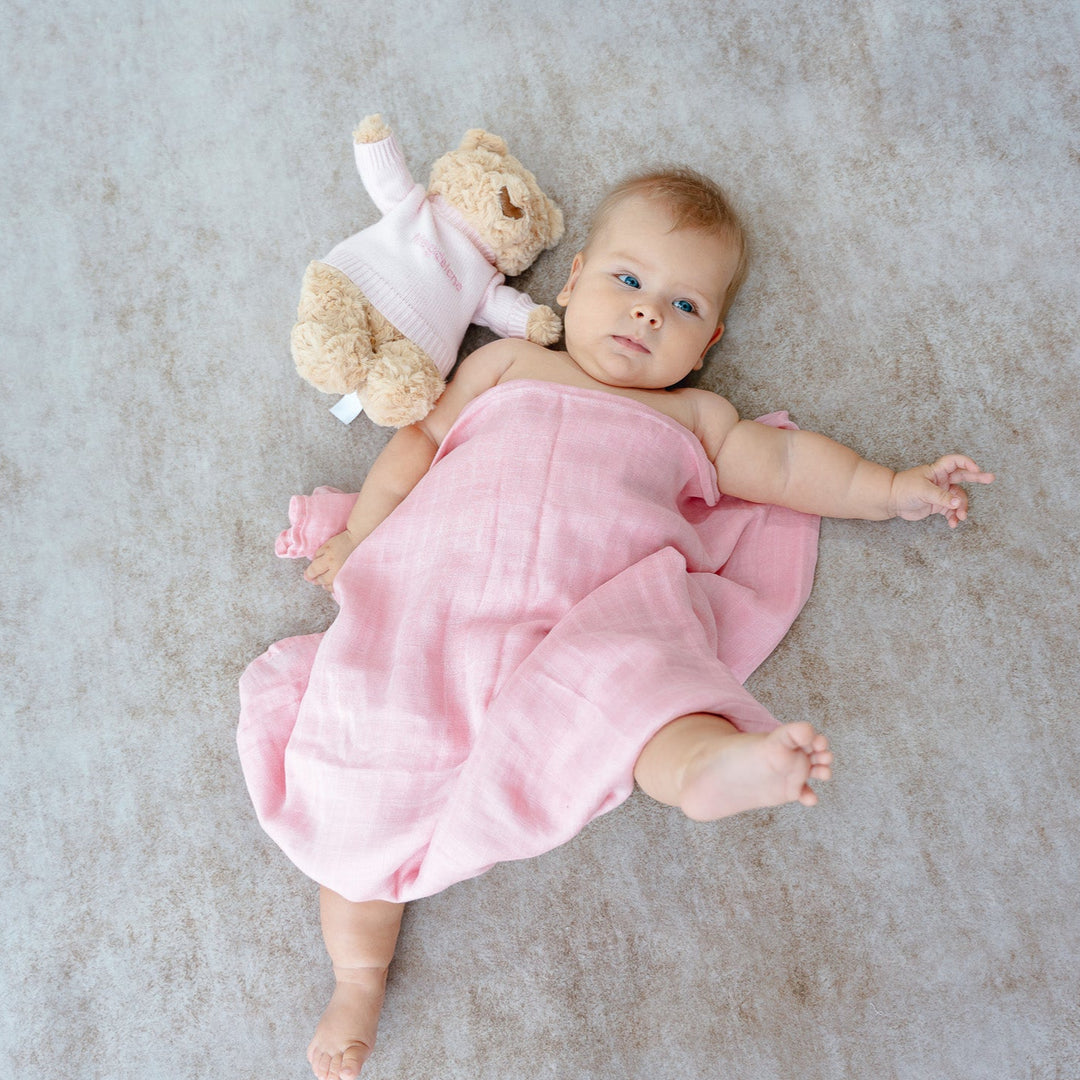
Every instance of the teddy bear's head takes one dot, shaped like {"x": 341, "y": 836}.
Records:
{"x": 499, "y": 198}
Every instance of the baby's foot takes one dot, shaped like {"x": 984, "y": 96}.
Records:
{"x": 748, "y": 771}
{"x": 346, "y": 1033}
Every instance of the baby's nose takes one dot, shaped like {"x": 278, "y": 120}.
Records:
{"x": 643, "y": 311}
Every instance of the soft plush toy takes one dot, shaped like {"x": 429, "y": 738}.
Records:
{"x": 383, "y": 315}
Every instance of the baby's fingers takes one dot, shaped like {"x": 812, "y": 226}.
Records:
{"x": 959, "y": 469}
{"x": 968, "y": 476}
{"x": 957, "y": 508}
{"x": 317, "y": 566}
{"x": 323, "y": 575}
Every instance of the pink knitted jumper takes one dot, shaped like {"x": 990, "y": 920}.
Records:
{"x": 423, "y": 266}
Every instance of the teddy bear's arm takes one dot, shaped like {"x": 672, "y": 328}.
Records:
{"x": 382, "y": 168}
{"x": 514, "y": 314}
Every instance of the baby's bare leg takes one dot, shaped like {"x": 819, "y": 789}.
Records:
{"x": 710, "y": 769}
{"x": 360, "y": 939}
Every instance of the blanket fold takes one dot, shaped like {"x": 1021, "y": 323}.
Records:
{"x": 565, "y": 580}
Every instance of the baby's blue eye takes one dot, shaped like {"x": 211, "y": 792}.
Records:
{"x": 629, "y": 279}
{"x": 685, "y": 305}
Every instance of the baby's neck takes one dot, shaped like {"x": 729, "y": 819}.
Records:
{"x": 549, "y": 365}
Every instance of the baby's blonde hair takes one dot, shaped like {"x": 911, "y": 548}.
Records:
{"x": 695, "y": 202}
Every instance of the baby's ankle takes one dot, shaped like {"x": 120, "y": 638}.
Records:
{"x": 365, "y": 975}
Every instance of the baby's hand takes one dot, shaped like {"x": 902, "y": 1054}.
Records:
{"x": 329, "y": 559}
{"x": 932, "y": 489}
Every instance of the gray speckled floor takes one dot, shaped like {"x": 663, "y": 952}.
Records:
{"x": 910, "y": 176}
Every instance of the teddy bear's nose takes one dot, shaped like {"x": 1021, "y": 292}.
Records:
{"x": 508, "y": 208}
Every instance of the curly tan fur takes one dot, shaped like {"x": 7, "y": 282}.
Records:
{"x": 473, "y": 178}
{"x": 544, "y": 326}
{"x": 371, "y": 129}
{"x": 339, "y": 334}
{"x": 403, "y": 385}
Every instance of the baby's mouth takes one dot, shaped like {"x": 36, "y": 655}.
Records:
{"x": 631, "y": 343}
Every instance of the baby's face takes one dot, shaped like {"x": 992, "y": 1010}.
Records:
{"x": 642, "y": 302}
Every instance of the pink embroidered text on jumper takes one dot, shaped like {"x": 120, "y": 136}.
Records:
{"x": 439, "y": 257}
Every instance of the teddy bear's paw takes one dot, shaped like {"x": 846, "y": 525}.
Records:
{"x": 402, "y": 385}
{"x": 371, "y": 129}
{"x": 544, "y": 326}
{"x": 335, "y": 363}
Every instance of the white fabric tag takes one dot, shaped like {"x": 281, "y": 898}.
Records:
{"x": 348, "y": 408}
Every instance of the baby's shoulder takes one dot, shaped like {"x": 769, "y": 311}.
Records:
{"x": 709, "y": 416}
{"x": 478, "y": 372}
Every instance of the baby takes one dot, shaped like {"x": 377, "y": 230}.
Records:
{"x": 645, "y": 299}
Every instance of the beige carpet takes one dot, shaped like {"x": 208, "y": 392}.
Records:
{"x": 910, "y": 174}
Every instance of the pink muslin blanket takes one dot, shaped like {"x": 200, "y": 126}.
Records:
{"x": 563, "y": 582}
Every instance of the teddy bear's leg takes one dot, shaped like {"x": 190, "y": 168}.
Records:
{"x": 403, "y": 384}
{"x": 332, "y": 343}
{"x": 381, "y": 329}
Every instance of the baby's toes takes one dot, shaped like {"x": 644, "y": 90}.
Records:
{"x": 351, "y": 1062}
{"x": 798, "y": 736}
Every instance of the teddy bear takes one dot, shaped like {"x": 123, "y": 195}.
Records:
{"x": 382, "y": 316}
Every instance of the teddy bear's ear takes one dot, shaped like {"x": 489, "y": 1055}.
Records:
{"x": 478, "y": 139}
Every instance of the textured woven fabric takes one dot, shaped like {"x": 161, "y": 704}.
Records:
{"x": 563, "y": 582}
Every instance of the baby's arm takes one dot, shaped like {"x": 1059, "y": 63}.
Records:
{"x": 407, "y": 457}
{"x": 396, "y": 471}
{"x": 809, "y": 472}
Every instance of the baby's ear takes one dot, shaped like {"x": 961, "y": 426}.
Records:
{"x": 575, "y": 271}
{"x": 713, "y": 340}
